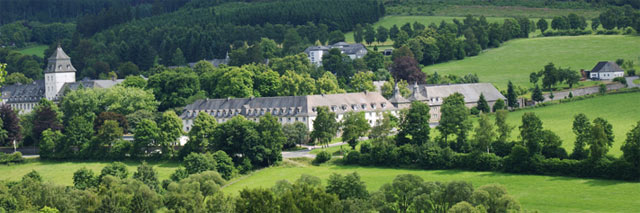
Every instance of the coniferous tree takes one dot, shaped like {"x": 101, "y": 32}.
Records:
{"x": 537, "y": 94}
{"x": 358, "y": 34}
{"x": 382, "y": 34}
{"x": 178, "y": 58}
{"x": 483, "y": 105}
{"x": 512, "y": 98}
{"x": 369, "y": 34}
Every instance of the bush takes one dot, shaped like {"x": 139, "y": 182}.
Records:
{"x": 572, "y": 32}
{"x": 196, "y": 163}
{"x": 15, "y": 157}
{"x": 475, "y": 111}
{"x": 607, "y": 32}
{"x": 322, "y": 157}
{"x": 631, "y": 72}
{"x": 224, "y": 164}
{"x": 621, "y": 80}
{"x": 353, "y": 157}
{"x": 479, "y": 161}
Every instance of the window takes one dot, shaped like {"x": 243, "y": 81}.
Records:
{"x": 363, "y": 106}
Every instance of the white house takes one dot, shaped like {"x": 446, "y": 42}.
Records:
{"x": 354, "y": 51}
{"x": 606, "y": 70}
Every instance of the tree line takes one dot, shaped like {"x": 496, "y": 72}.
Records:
{"x": 116, "y": 189}
{"x": 536, "y": 151}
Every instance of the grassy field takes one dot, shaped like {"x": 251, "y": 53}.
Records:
{"x": 543, "y": 193}
{"x": 62, "y": 172}
{"x": 34, "y": 50}
{"x": 489, "y": 11}
{"x": 637, "y": 81}
{"x": 621, "y": 110}
{"x": 389, "y": 21}
{"x": 516, "y": 59}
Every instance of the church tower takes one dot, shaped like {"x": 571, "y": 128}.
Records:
{"x": 58, "y": 72}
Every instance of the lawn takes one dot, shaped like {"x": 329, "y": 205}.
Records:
{"x": 37, "y": 50}
{"x": 62, "y": 172}
{"x": 516, "y": 59}
{"x": 543, "y": 193}
{"x": 637, "y": 81}
{"x": 621, "y": 110}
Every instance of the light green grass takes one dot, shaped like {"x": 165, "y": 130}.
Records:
{"x": 637, "y": 81}
{"x": 621, "y": 110}
{"x": 62, "y": 172}
{"x": 516, "y": 59}
{"x": 543, "y": 193}
{"x": 37, "y": 50}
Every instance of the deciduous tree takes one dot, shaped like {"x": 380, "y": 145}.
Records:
{"x": 354, "y": 126}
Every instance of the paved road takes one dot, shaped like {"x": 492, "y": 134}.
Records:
{"x": 306, "y": 152}
{"x": 581, "y": 91}
{"x": 630, "y": 81}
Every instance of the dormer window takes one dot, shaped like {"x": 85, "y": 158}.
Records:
{"x": 363, "y": 106}
{"x": 373, "y": 106}
{"x": 383, "y": 105}
{"x": 344, "y": 107}
{"x": 333, "y": 108}
{"x": 354, "y": 107}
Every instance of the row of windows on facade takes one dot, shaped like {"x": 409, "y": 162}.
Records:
{"x": 344, "y": 107}
{"x": 23, "y": 106}
{"x": 60, "y": 66}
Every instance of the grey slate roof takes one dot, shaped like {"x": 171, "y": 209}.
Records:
{"x": 471, "y": 92}
{"x": 346, "y": 48}
{"x": 18, "y": 93}
{"x": 59, "y": 62}
{"x": 607, "y": 66}
{"x": 289, "y": 106}
{"x": 105, "y": 84}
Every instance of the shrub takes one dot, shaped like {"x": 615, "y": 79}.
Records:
{"x": 479, "y": 161}
{"x": 621, "y": 80}
{"x": 353, "y": 157}
{"x": 631, "y": 72}
{"x": 15, "y": 157}
{"x": 196, "y": 163}
{"x": 475, "y": 111}
{"x": 224, "y": 164}
{"x": 322, "y": 157}
{"x": 83, "y": 178}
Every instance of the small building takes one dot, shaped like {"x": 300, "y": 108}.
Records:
{"x": 289, "y": 109}
{"x": 354, "y": 51}
{"x": 606, "y": 70}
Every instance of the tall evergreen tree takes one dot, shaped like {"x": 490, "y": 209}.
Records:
{"x": 512, "y": 98}
{"x": 369, "y": 34}
{"x": 382, "y": 34}
{"x": 537, "y": 94}
{"x": 483, "y": 106}
{"x": 358, "y": 33}
{"x": 177, "y": 58}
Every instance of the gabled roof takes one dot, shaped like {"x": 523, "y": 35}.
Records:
{"x": 471, "y": 92}
{"x": 346, "y": 48}
{"x": 607, "y": 66}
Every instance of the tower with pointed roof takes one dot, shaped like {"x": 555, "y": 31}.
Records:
{"x": 58, "y": 72}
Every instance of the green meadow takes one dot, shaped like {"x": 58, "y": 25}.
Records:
{"x": 490, "y": 11}
{"x": 516, "y": 59}
{"x": 621, "y": 110}
{"x": 37, "y": 50}
{"x": 62, "y": 172}
{"x": 543, "y": 193}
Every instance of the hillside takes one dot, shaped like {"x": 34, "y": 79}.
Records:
{"x": 621, "y": 110}
{"x": 516, "y": 59}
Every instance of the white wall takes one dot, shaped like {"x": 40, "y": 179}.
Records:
{"x": 55, "y": 81}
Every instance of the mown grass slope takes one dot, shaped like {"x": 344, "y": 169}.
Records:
{"x": 543, "y": 193}
{"x": 621, "y": 110}
{"x": 516, "y": 59}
